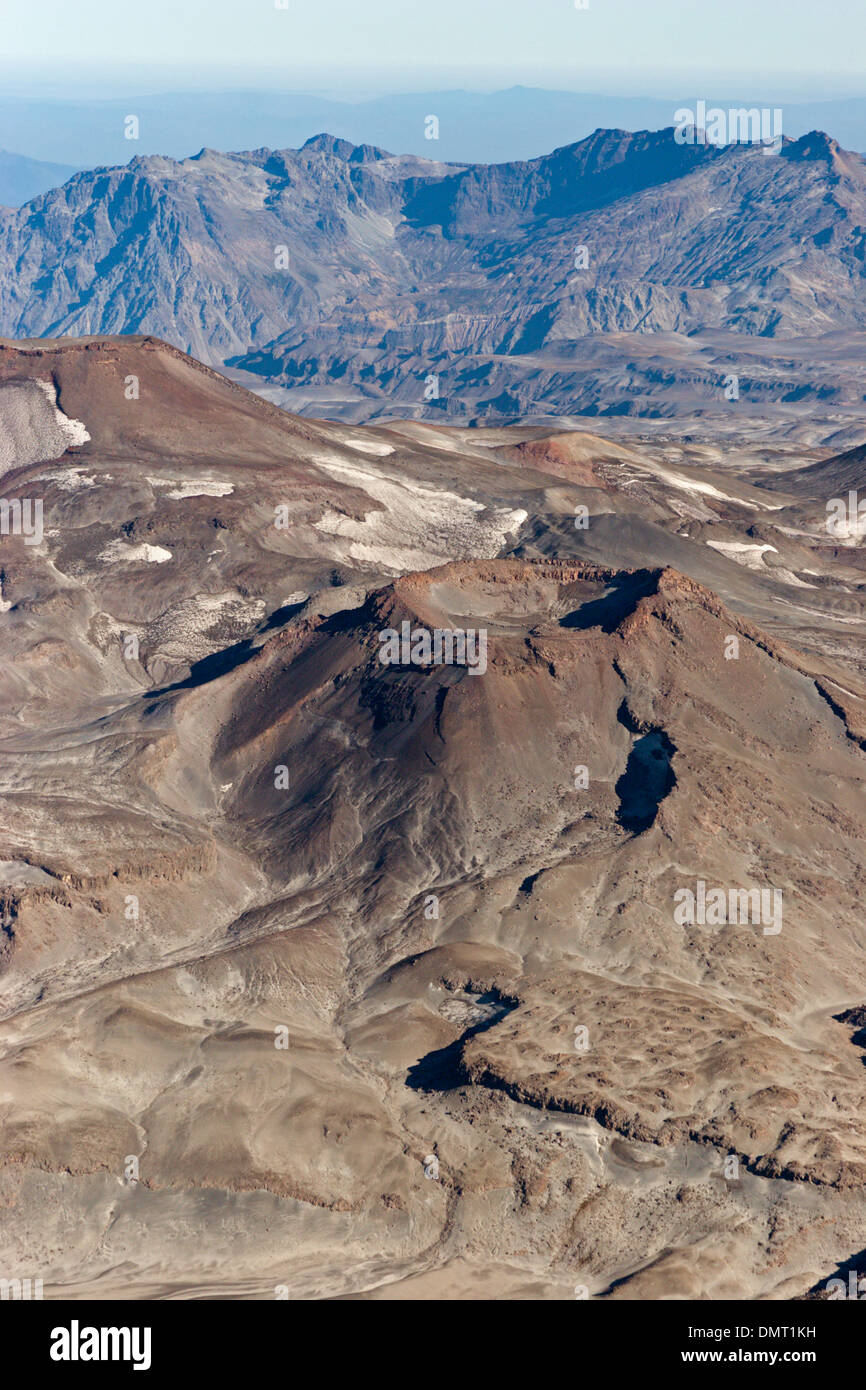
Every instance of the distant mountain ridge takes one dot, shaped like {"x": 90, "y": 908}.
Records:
{"x": 22, "y": 179}
{"x": 518, "y": 122}
{"x": 342, "y": 267}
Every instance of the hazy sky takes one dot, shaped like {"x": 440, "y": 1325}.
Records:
{"x": 809, "y": 46}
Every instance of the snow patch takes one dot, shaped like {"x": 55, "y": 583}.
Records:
{"x": 32, "y": 427}
{"x": 417, "y": 527}
{"x": 73, "y": 431}
{"x": 67, "y": 479}
{"x": 707, "y": 490}
{"x": 151, "y": 554}
{"x": 202, "y": 624}
{"x": 370, "y": 446}
{"x": 752, "y": 556}
{"x": 198, "y": 487}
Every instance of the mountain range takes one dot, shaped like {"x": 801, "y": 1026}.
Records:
{"x": 518, "y": 122}
{"x": 625, "y": 275}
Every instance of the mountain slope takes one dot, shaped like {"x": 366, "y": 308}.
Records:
{"x": 337, "y": 974}
{"x": 453, "y": 1033}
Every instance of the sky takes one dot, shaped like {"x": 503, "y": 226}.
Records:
{"x": 360, "y": 47}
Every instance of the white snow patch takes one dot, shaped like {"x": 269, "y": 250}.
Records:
{"x": 73, "y": 431}
{"x": 193, "y": 487}
{"x": 74, "y": 479}
{"x": 840, "y": 686}
{"x": 752, "y": 556}
{"x": 32, "y": 428}
{"x": 370, "y": 446}
{"x": 749, "y": 555}
{"x": 707, "y": 490}
{"x": 420, "y": 527}
{"x": 69, "y": 480}
{"x": 202, "y": 624}
{"x": 151, "y": 554}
